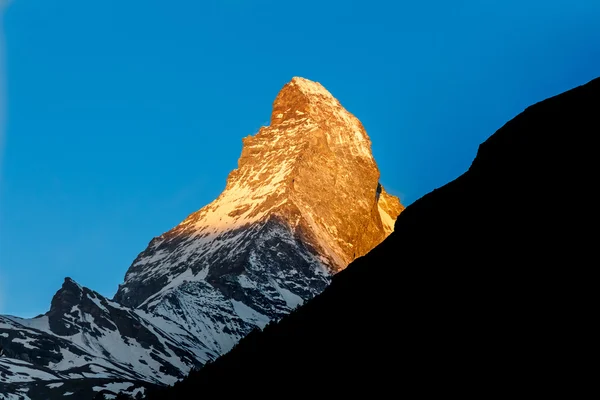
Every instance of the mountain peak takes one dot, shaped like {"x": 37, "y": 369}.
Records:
{"x": 306, "y": 106}
{"x": 70, "y": 281}
{"x": 304, "y": 201}
{"x": 67, "y": 297}
{"x": 308, "y": 87}
{"x": 69, "y": 285}
{"x": 302, "y": 98}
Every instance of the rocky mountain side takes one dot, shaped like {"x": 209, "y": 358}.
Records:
{"x": 304, "y": 202}
{"x": 485, "y": 288}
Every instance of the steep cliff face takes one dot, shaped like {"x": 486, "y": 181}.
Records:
{"x": 303, "y": 203}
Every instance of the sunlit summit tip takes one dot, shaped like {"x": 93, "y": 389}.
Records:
{"x": 309, "y": 87}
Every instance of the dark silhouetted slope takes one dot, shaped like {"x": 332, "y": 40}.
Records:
{"x": 483, "y": 287}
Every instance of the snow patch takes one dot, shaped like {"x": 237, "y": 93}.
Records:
{"x": 113, "y": 387}
{"x": 387, "y": 221}
{"x": 248, "y": 314}
{"x": 23, "y": 372}
{"x": 291, "y": 299}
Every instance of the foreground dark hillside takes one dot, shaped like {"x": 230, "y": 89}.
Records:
{"x": 483, "y": 287}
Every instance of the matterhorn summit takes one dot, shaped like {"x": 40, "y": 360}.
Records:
{"x": 304, "y": 201}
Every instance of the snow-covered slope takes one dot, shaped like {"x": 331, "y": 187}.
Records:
{"x": 304, "y": 202}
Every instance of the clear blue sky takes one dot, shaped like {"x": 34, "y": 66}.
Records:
{"x": 122, "y": 117}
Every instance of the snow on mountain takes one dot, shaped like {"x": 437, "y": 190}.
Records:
{"x": 304, "y": 202}
{"x": 86, "y": 337}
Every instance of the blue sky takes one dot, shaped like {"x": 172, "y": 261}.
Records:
{"x": 122, "y": 117}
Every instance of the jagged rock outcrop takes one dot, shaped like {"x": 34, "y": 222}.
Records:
{"x": 304, "y": 202}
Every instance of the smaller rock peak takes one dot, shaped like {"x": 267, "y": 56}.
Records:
{"x": 70, "y": 284}
{"x": 66, "y": 297}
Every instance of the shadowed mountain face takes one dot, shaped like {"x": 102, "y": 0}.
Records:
{"x": 483, "y": 287}
{"x": 304, "y": 202}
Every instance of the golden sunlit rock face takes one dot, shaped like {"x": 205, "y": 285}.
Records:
{"x": 329, "y": 177}
{"x": 303, "y": 203}
{"x": 312, "y": 166}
